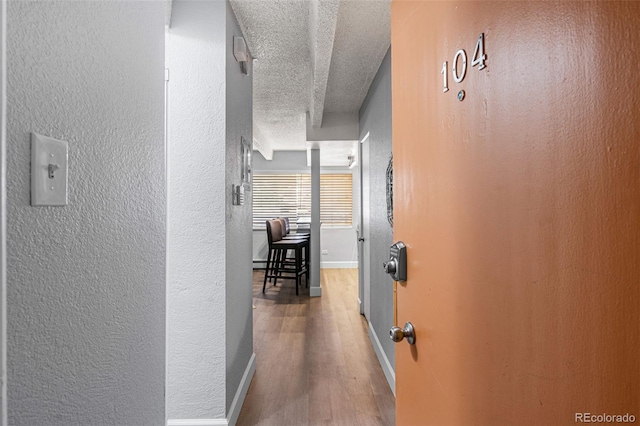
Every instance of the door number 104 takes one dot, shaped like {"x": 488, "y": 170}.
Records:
{"x": 460, "y": 59}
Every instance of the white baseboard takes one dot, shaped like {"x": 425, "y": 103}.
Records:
{"x": 236, "y": 404}
{"x": 339, "y": 265}
{"x": 389, "y": 373}
{"x": 262, "y": 263}
{"x": 315, "y": 291}
{"x": 241, "y": 393}
{"x": 259, "y": 263}
{"x": 198, "y": 422}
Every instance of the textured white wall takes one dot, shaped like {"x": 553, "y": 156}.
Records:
{"x": 196, "y": 230}
{"x": 86, "y": 281}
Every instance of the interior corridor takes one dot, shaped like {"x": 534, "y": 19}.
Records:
{"x": 315, "y": 362}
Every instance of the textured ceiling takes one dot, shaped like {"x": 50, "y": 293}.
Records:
{"x": 361, "y": 41}
{"x": 312, "y": 56}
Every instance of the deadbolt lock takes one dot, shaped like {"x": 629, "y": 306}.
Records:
{"x": 390, "y": 267}
{"x": 397, "y": 334}
{"x": 397, "y": 264}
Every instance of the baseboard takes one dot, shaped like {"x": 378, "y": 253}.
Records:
{"x": 236, "y": 404}
{"x": 339, "y": 265}
{"x": 262, "y": 264}
{"x": 241, "y": 393}
{"x": 315, "y": 291}
{"x": 198, "y": 422}
{"x": 389, "y": 373}
{"x": 259, "y": 263}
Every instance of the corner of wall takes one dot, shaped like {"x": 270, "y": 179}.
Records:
{"x": 241, "y": 392}
{"x": 387, "y": 368}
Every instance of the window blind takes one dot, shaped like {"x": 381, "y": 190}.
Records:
{"x": 280, "y": 195}
{"x": 336, "y": 200}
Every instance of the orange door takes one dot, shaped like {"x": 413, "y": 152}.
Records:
{"x": 520, "y": 208}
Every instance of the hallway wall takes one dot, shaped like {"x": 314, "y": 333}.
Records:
{"x": 375, "y": 118}
{"x": 209, "y": 336}
{"x": 239, "y": 271}
{"x": 196, "y": 257}
{"x": 86, "y": 282}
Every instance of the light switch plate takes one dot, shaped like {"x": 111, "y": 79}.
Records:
{"x": 49, "y": 170}
{"x": 237, "y": 195}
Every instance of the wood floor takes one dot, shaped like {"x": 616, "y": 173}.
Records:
{"x": 315, "y": 362}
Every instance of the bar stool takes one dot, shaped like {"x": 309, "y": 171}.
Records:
{"x": 284, "y": 221}
{"x": 283, "y": 258}
{"x": 284, "y": 262}
{"x": 276, "y": 267}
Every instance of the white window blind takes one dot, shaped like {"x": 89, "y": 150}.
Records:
{"x": 289, "y": 195}
{"x": 336, "y": 200}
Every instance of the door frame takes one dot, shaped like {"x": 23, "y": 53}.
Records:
{"x": 3, "y": 216}
{"x": 362, "y": 231}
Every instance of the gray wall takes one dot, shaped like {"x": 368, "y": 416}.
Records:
{"x": 291, "y": 161}
{"x": 375, "y": 118}
{"x": 336, "y": 126}
{"x": 239, "y": 237}
{"x": 86, "y": 282}
{"x": 314, "y": 242}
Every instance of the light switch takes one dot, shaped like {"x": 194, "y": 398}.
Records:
{"x": 49, "y": 169}
{"x": 237, "y": 195}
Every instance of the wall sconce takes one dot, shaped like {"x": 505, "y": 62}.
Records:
{"x": 241, "y": 53}
{"x": 352, "y": 161}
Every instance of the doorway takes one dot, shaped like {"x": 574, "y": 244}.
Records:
{"x": 3, "y": 282}
{"x": 363, "y": 229}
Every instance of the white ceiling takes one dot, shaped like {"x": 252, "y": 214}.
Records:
{"x": 311, "y": 56}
